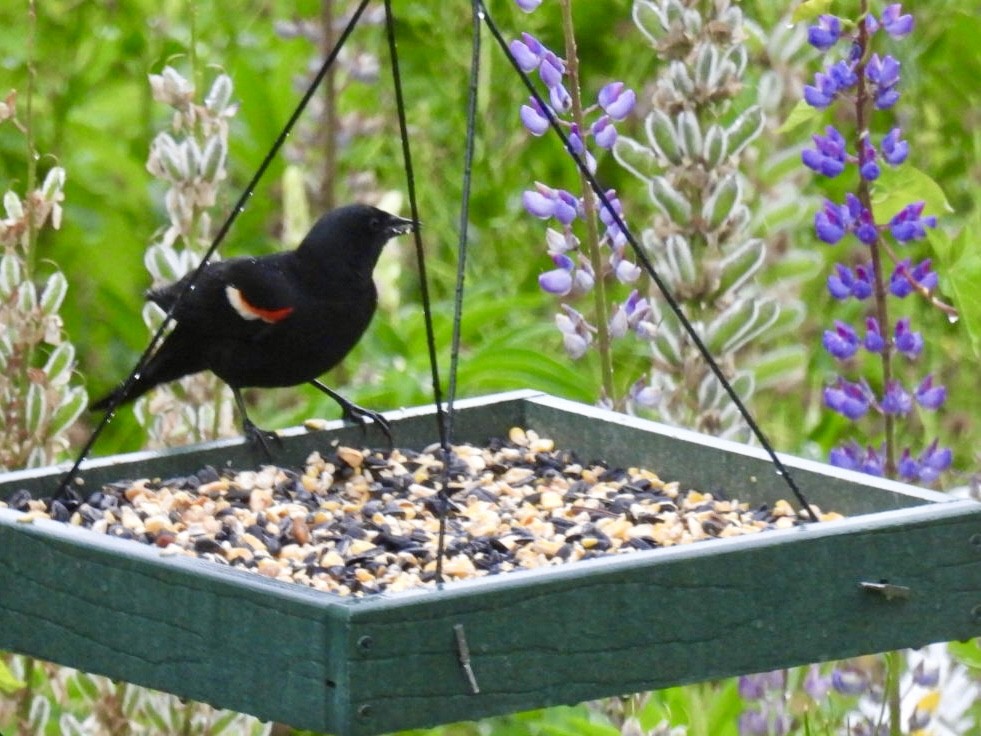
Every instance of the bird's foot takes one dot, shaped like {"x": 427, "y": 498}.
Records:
{"x": 260, "y": 439}
{"x": 351, "y": 412}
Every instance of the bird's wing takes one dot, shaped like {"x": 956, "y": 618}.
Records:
{"x": 258, "y": 290}
{"x": 237, "y": 298}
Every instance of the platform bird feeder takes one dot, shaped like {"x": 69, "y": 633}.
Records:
{"x": 903, "y": 569}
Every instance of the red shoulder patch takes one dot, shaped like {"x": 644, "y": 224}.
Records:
{"x": 249, "y": 311}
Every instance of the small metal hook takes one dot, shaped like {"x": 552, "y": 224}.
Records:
{"x": 463, "y": 653}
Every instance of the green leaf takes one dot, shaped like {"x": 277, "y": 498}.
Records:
{"x": 8, "y": 683}
{"x": 802, "y": 113}
{"x": 966, "y": 652}
{"x": 897, "y": 187}
{"x": 810, "y": 9}
{"x": 960, "y": 274}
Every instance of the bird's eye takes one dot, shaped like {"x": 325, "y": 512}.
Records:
{"x": 375, "y": 223}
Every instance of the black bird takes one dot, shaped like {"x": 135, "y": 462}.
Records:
{"x": 275, "y": 320}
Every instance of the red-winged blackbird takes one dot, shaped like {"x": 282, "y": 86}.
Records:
{"x": 276, "y": 320}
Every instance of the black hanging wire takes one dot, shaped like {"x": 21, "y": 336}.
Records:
{"x": 461, "y": 264}
{"x": 219, "y": 237}
{"x": 675, "y": 307}
{"x": 410, "y": 183}
{"x": 464, "y": 212}
{"x": 444, "y": 418}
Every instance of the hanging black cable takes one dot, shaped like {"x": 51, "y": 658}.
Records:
{"x": 649, "y": 267}
{"x": 410, "y": 182}
{"x": 219, "y": 237}
{"x": 461, "y": 264}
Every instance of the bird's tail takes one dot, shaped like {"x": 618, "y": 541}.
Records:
{"x": 174, "y": 359}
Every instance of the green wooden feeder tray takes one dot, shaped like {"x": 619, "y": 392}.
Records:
{"x": 902, "y": 571}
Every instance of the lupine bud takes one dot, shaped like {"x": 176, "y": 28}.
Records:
{"x": 527, "y": 60}
{"x": 533, "y": 117}
{"x": 847, "y": 398}
{"x": 896, "y": 400}
{"x": 825, "y": 34}
{"x": 929, "y": 396}
{"x": 528, "y": 5}
{"x": 842, "y": 342}
{"x": 894, "y": 150}
{"x": 894, "y": 23}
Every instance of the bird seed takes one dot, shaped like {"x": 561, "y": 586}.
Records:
{"x": 362, "y": 521}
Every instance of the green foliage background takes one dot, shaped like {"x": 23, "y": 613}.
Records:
{"x": 93, "y": 114}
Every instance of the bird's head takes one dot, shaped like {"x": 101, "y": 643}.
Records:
{"x": 354, "y": 234}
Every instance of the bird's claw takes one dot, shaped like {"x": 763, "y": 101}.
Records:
{"x": 260, "y": 438}
{"x": 351, "y": 412}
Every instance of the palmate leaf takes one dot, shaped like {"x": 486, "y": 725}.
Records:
{"x": 897, "y": 187}
{"x": 960, "y": 274}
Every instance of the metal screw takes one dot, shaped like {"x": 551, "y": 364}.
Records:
{"x": 976, "y": 613}
{"x": 365, "y": 643}
{"x": 364, "y": 711}
{"x": 975, "y": 541}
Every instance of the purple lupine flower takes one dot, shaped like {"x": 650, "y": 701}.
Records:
{"x": 830, "y": 222}
{"x": 828, "y": 155}
{"x": 926, "y": 675}
{"x": 551, "y": 70}
{"x": 826, "y": 33}
{"x": 868, "y": 168}
{"x": 566, "y": 207}
{"x": 644, "y": 395}
{"x": 840, "y": 283}
{"x": 907, "y": 467}
{"x": 929, "y": 396}
{"x": 883, "y": 72}
{"x": 560, "y": 98}
{"x": 575, "y": 140}
{"x": 627, "y": 272}
{"x": 533, "y": 117}
{"x": 907, "y": 224}
{"x": 849, "y": 399}
{"x": 822, "y": 93}
{"x": 907, "y": 342}
{"x": 874, "y": 342}
{"x": 896, "y": 400}
{"x": 604, "y": 132}
{"x": 894, "y": 149}
{"x": 526, "y": 57}
{"x": 559, "y": 280}
{"x": 849, "y": 681}
{"x": 934, "y": 461}
{"x": 862, "y": 288}
{"x": 894, "y": 23}
{"x": 756, "y": 686}
{"x": 842, "y": 342}
{"x": 753, "y": 722}
{"x": 861, "y": 220}
{"x": 617, "y": 100}
{"x": 528, "y": 5}
{"x": 538, "y": 204}
{"x": 852, "y": 457}
{"x": 815, "y": 684}
{"x": 843, "y": 75}
{"x": 901, "y": 281}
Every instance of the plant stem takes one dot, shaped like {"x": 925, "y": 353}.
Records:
{"x": 31, "y": 243}
{"x": 893, "y": 699}
{"x": 864, "y": 196}
{"x": 591, "y": 208}
{"x": 328, "y": 176}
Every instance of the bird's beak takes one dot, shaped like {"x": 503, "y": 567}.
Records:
{"x": 401, "y": 226}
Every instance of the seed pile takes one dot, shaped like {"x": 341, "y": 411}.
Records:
{"x": 358, "y": 522}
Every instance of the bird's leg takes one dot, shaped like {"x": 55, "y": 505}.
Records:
{"x": 256, "y": 436}
{"x": 357, "y": 414}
